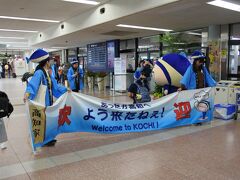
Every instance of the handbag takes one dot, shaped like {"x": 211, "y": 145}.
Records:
{"x": 40, "y": 97}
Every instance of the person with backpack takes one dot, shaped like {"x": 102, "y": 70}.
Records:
{"x": 41, "y": 77}
{"x": 75, "y": 76}
{"x": 6, "y": 109}
{"x": 138, "y": 90}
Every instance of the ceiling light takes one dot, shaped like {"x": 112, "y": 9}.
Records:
{"x": 142, "y": 27}
{"x": 11, "y": 37}
{"x": 193, "y": 33}
{"x": 83, "y": 2}
{"x": 58, "y": 47}
{"x": 179, "y": 43}
{"x": 16, "y": 46}
{"x": 17, "y": 30}
{"x": 28, "y": 19}
{"x": 235, "y": 38}
{"x": 14, "y": 42}
{"x": 225, "y": 4}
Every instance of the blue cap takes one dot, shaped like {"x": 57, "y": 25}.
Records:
{"x": 38, "y": 56}
{"x": 74, "y": 61}
{"x": 137, "y": 75}
{"x": 198, "y": 55}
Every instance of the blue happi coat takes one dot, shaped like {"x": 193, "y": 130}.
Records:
{"x": 34, "y": 83}
{"x": 71, "y": 78}
{"x": 189, "y": 79}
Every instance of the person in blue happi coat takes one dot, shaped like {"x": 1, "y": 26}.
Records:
{"x": 75, "y": 76}
{"x": 54, "y": 69}
{"x": 41, "y": 75}
{"x": 197, "y": 75}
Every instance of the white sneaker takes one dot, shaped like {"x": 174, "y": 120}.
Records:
{"x": 3, "y": 146}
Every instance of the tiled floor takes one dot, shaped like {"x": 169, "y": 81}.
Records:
{"x": 211, "y": 151}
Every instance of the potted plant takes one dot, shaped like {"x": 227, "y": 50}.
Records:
{"x": 173, "y": 42}
{"x": 101, "y": 80}
{"x": 90, "y": 79}
{"x": 158, "y": 92}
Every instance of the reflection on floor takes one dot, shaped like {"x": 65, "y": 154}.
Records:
{"x": 211, "y": 151}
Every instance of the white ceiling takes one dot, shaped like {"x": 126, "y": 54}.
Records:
{"x": 43, "y": 9}
{"x": 181, "y": 15}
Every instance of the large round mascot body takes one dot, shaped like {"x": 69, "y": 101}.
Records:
{"x": 169, "y": 70}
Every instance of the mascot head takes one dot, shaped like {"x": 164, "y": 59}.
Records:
{"x": 170, "y": 69}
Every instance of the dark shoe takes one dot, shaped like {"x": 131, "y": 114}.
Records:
{"x": 51, "y": 143}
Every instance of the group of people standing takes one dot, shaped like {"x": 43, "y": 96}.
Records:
{"x": 195, "y": 77}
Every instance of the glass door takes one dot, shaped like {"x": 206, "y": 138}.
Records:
{"x": 234, "y": 62}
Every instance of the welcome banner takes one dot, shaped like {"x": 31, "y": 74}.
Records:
{"x": 74, "y": 112}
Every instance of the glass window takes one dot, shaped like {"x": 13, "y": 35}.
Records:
{"x": 82, "y": 51}
{"x": 154, "y": 55}
{"x": 142, "y": 56}
{"x": 234, "y": 60}
{"x": 149, "y": 43}
{"x": 235, "y": 32}
{"x": 72, "y": 54}
{"x": 186, "y": 41}
{"x": 127, "y": 44}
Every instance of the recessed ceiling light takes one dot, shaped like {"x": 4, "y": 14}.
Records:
{"x": 142, "y": 27}
{"x": 83, "y": 2}
{"x": 18, "y": 30}
{"x": 28, "y": 19}
{"x": 225, "y": 4}
{"x": 11, "y": 37}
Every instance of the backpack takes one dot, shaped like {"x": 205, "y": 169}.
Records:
{"x": 143, "y": 91}
{"x": 6, "y": 107}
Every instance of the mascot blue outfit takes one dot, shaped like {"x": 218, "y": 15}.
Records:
{"x": 191, "y": 80}
{"x": 75, "y": 76}
{"x": 168, "y": 71}
{"x": 41, "y": 76}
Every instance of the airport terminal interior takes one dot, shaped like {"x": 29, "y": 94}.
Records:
{"x": 120, "y": 89}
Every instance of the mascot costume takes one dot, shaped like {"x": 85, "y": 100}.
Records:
{"x": 169, "y": 70}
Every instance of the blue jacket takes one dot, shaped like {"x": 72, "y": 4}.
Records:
{"x": 34, "y": 83}
{"x": 71, "y": 78}
{"x": 189, "y": 78}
